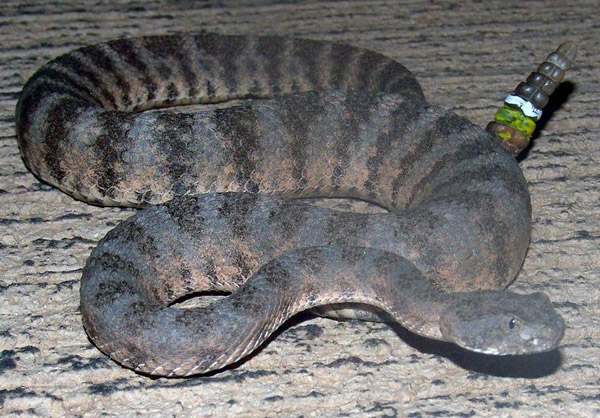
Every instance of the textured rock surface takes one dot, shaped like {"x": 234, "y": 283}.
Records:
{"x": 466, "y": 56}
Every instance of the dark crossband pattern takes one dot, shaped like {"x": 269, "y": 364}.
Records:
{"x": 75, "y": 131}
{"x": 320, "y": 120}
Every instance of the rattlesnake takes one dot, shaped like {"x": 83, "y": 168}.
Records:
{"x": 320, "y": 120}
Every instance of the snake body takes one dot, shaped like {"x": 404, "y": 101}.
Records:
{"x": 325, "y": 120}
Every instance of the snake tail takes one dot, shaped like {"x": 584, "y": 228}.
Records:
{"x": 515, "y": 121}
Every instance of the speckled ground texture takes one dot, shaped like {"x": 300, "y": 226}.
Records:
{"x": 467, "y": 55}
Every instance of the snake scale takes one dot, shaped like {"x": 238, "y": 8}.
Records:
{"x": 227, "y": 192}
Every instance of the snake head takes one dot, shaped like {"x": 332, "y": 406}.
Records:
{"x": 502, "y": 323}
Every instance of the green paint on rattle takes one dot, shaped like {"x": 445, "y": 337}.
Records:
{"x": 515, "y": 118}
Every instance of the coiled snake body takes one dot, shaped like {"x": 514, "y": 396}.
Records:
{"x": 332, "y": 121}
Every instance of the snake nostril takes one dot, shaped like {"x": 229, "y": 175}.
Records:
{"x": 526, "y": 335}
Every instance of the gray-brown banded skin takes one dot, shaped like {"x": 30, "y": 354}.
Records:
{"x": 332, "y": 121}
{"x": 77, "y": 131}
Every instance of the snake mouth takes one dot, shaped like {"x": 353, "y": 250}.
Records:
{"x": 496, "y": 352}
{"x": 488, "y": 351}
{"x": 529, "y": 345}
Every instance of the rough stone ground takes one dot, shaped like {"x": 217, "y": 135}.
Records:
{"x": 467, "y": 55}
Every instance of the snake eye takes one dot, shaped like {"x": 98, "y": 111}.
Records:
{"x": 512, "y": 323}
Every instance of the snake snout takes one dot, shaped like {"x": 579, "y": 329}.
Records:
{"x": 544, "y": 337}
